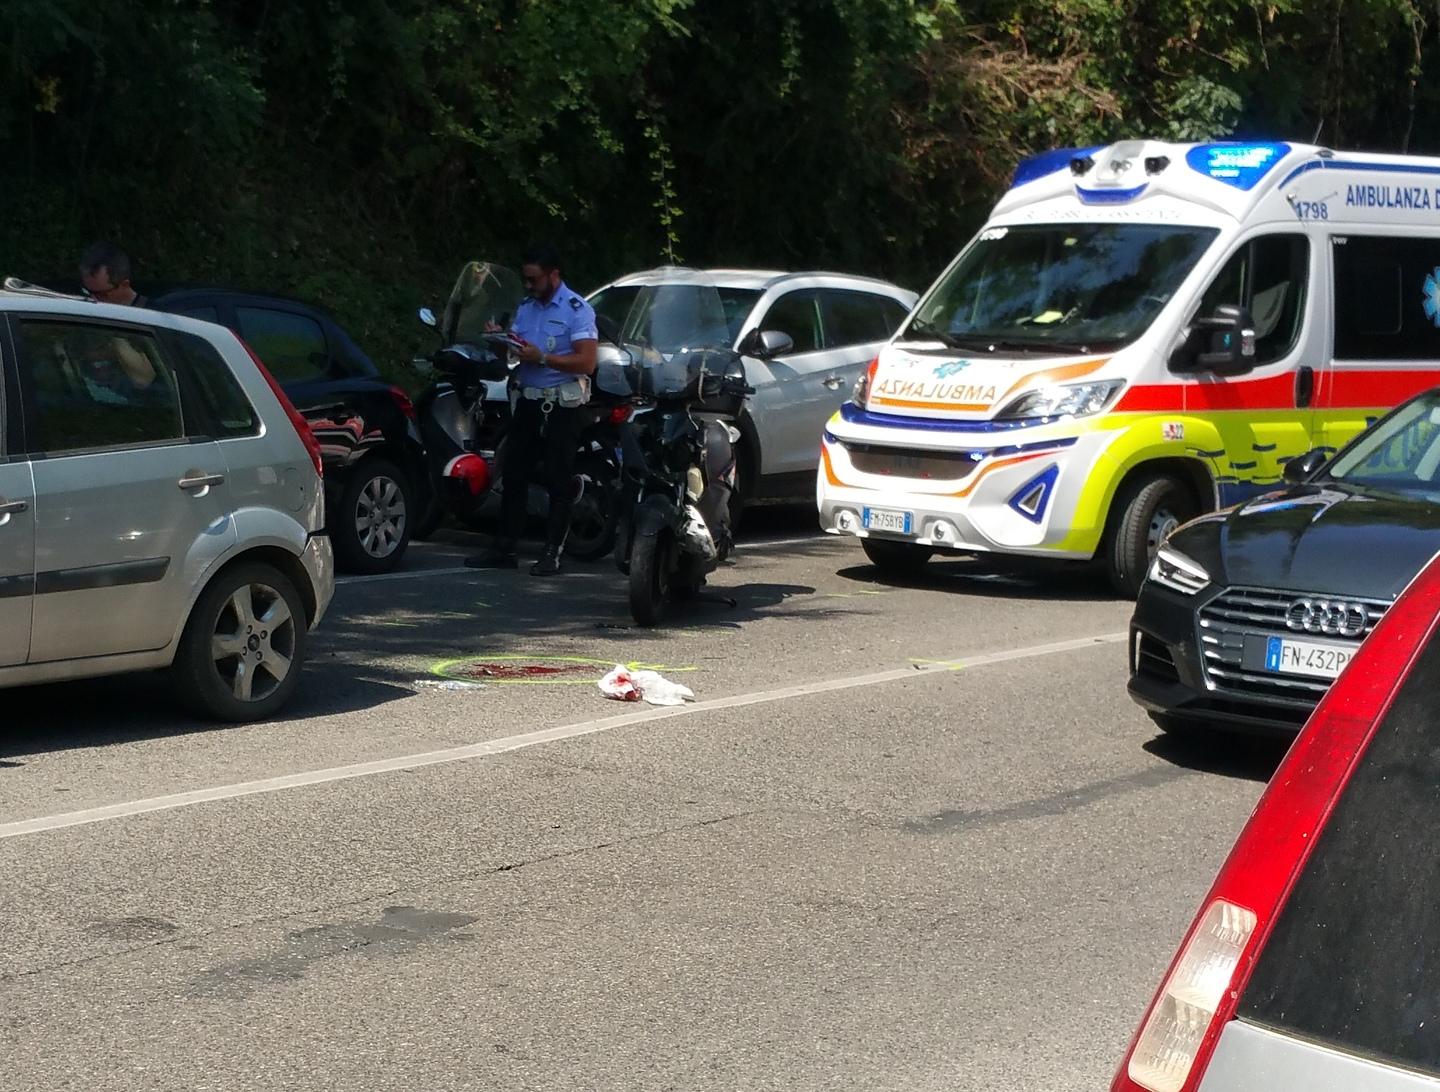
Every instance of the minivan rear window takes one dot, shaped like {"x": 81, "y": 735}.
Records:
{"x": 1354, "y": 959}
{"x": 228, "y": 409}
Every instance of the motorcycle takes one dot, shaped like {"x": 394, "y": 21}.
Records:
{"x": 678, "y": 459}
{"x": 465, "y": 413}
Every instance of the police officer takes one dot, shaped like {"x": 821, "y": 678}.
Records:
{"x": 557, "y": 359}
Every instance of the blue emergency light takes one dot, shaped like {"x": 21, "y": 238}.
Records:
{"x": 1238, "y": 165}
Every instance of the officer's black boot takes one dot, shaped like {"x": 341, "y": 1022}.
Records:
{"x": 549, "y": 563}
{"x": 499, "y": 556}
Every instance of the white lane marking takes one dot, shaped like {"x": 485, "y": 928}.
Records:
{"x": 817, "y": 539}
{"x": 416, "y": 574}
{"x": 535, "y": 739}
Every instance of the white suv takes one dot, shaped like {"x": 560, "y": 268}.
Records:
{"x": 160, "y": 506}
{"x": 832, "y": 324}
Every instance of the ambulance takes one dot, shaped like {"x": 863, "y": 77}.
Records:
{"x": 1140, "y": 333}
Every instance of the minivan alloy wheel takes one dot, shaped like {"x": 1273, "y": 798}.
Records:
{"x": 254, "y": 642}
{"x": 240, "y": 655}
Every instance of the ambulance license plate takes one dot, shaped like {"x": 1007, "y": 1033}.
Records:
{"x": 881, "y": 519}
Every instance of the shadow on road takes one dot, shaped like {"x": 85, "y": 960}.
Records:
{"x": 381, "y": 637}
{"x": 1224, "y": 753}
{"x": 995, "y": 577}
{"x": 126, "y": 708}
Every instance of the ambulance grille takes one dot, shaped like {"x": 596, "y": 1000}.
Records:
{"x": 899, "y": 462}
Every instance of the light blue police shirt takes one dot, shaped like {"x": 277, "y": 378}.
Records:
{"x": 555, "y": 327}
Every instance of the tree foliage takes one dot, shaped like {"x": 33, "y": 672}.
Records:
{"x": 357, "y": 151}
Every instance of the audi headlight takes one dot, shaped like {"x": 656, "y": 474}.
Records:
{"x": 1174, "y": 570}
{"x": 1072, "y": 400}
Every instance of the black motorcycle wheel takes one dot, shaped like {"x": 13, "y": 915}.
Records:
{"x": 594, "y": 516}
{"x": 650, "y": 561}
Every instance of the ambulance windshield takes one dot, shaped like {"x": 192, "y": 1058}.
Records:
{"x": 1062, "y": 288}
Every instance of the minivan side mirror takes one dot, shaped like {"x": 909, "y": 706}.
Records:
{"x": 767, "y": 343}
{"x": 1222, "y": 343}
{"x": 1302, "y": 466}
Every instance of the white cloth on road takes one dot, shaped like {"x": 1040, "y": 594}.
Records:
{"x": 622, "y": 684}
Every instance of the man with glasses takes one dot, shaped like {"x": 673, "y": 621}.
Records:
{"x": 105, "y": 275}
{"x": 558, "y": 345}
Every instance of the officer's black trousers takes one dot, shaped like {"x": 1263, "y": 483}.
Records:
{"x": 539, "y": 447}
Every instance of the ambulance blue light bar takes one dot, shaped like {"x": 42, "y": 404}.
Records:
{"x": 1238, "y": 165}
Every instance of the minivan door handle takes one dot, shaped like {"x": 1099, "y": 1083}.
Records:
{"x": 1304, "y": 386}
{"x": 201, "y": 481}
{"x": 833, "y": 382}
{"x": 13, "y": 508}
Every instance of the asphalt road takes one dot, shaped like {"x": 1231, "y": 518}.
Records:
{"x": 912, "y": 836}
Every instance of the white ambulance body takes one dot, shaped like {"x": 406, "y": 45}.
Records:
{"x": 1140, "y": 333}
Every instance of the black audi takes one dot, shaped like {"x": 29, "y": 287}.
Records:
{"x": 1248, "y": 615}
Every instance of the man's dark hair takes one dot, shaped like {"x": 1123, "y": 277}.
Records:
{"x": 542, "y": 254}
{"x": 115, "y": 260}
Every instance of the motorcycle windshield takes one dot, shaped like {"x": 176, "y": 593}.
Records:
{"x": 485, "y": 294}
{"x": 677, "y": 334}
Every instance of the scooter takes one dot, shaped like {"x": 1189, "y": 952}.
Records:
{"x": 458, "y": 425}
{"x": 678, "y": 459}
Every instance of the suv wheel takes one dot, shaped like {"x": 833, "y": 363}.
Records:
{"x": 371, "y": 529}
{"x": 240, "y": 655}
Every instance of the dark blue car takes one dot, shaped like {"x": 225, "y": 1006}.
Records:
{"x": 375, "y": 483}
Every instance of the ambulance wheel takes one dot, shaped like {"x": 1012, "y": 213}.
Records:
{"x": 1145, "y": 511}
{"x": 896, "y": 558}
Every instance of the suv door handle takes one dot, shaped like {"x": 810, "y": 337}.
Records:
{"x": 11, "y": 508}
{"x": 201, "y": 481}
{"x": 833, "y": 382}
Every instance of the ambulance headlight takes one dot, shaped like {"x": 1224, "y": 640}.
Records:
{"x": 1073, "y": 400}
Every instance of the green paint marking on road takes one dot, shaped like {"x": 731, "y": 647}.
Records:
{"x": 521, "y": 669}
{"x": 946, "y": 665}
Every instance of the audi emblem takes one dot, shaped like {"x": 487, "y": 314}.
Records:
{"x": 1328, "y": 616}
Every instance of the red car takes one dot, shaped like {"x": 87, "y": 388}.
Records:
{"x": 1314, "y": 962}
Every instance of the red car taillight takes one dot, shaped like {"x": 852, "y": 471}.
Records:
{"x": 1203, "y": 986}
{"x": 302, "y": 426}
{"x": 403, "y": 403}
{"x": 620, "y": 414}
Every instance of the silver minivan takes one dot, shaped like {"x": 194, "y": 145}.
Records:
{"x": 160, "y": 507}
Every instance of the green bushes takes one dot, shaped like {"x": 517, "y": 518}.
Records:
{"x": 357, "y": 152}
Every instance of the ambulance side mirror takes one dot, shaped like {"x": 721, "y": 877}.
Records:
{"x": 1222, "y": 343}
